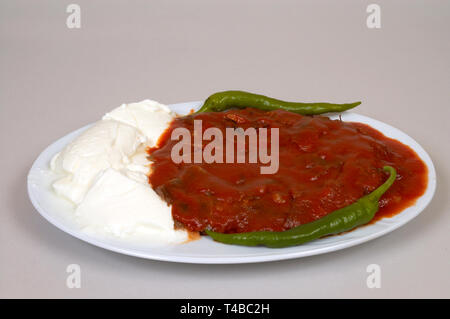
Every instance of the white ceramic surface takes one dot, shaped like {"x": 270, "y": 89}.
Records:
{"x": 59, "y": 212}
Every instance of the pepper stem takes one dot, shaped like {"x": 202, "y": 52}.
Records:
{"x": 376, "y": 194}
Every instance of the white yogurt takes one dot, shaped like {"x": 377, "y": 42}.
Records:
{"x": 104, "y": 173}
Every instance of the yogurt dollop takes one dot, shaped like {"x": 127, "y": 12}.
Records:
{"x": 104, "y": 173}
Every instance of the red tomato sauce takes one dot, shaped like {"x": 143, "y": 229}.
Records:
{"x": 324, "y": 165}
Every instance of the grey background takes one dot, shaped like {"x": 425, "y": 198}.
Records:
{"x": 54, "y": 80}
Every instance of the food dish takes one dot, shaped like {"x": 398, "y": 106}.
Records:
{"x": 346, "y": 117}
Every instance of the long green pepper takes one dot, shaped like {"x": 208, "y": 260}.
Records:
{"x": 222, "y": 101}
{"x": 359, "y": 213}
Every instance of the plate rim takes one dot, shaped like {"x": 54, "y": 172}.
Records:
{"x": 430, "y": 191}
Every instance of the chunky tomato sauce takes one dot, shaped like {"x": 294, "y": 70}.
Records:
{"x": 324, "y": 165}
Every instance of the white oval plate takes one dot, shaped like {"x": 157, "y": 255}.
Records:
{"x": 205, "y": 251}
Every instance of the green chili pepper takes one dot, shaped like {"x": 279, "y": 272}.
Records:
{"x": 222, "y": 101}
{"x": 341, "y": 220}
